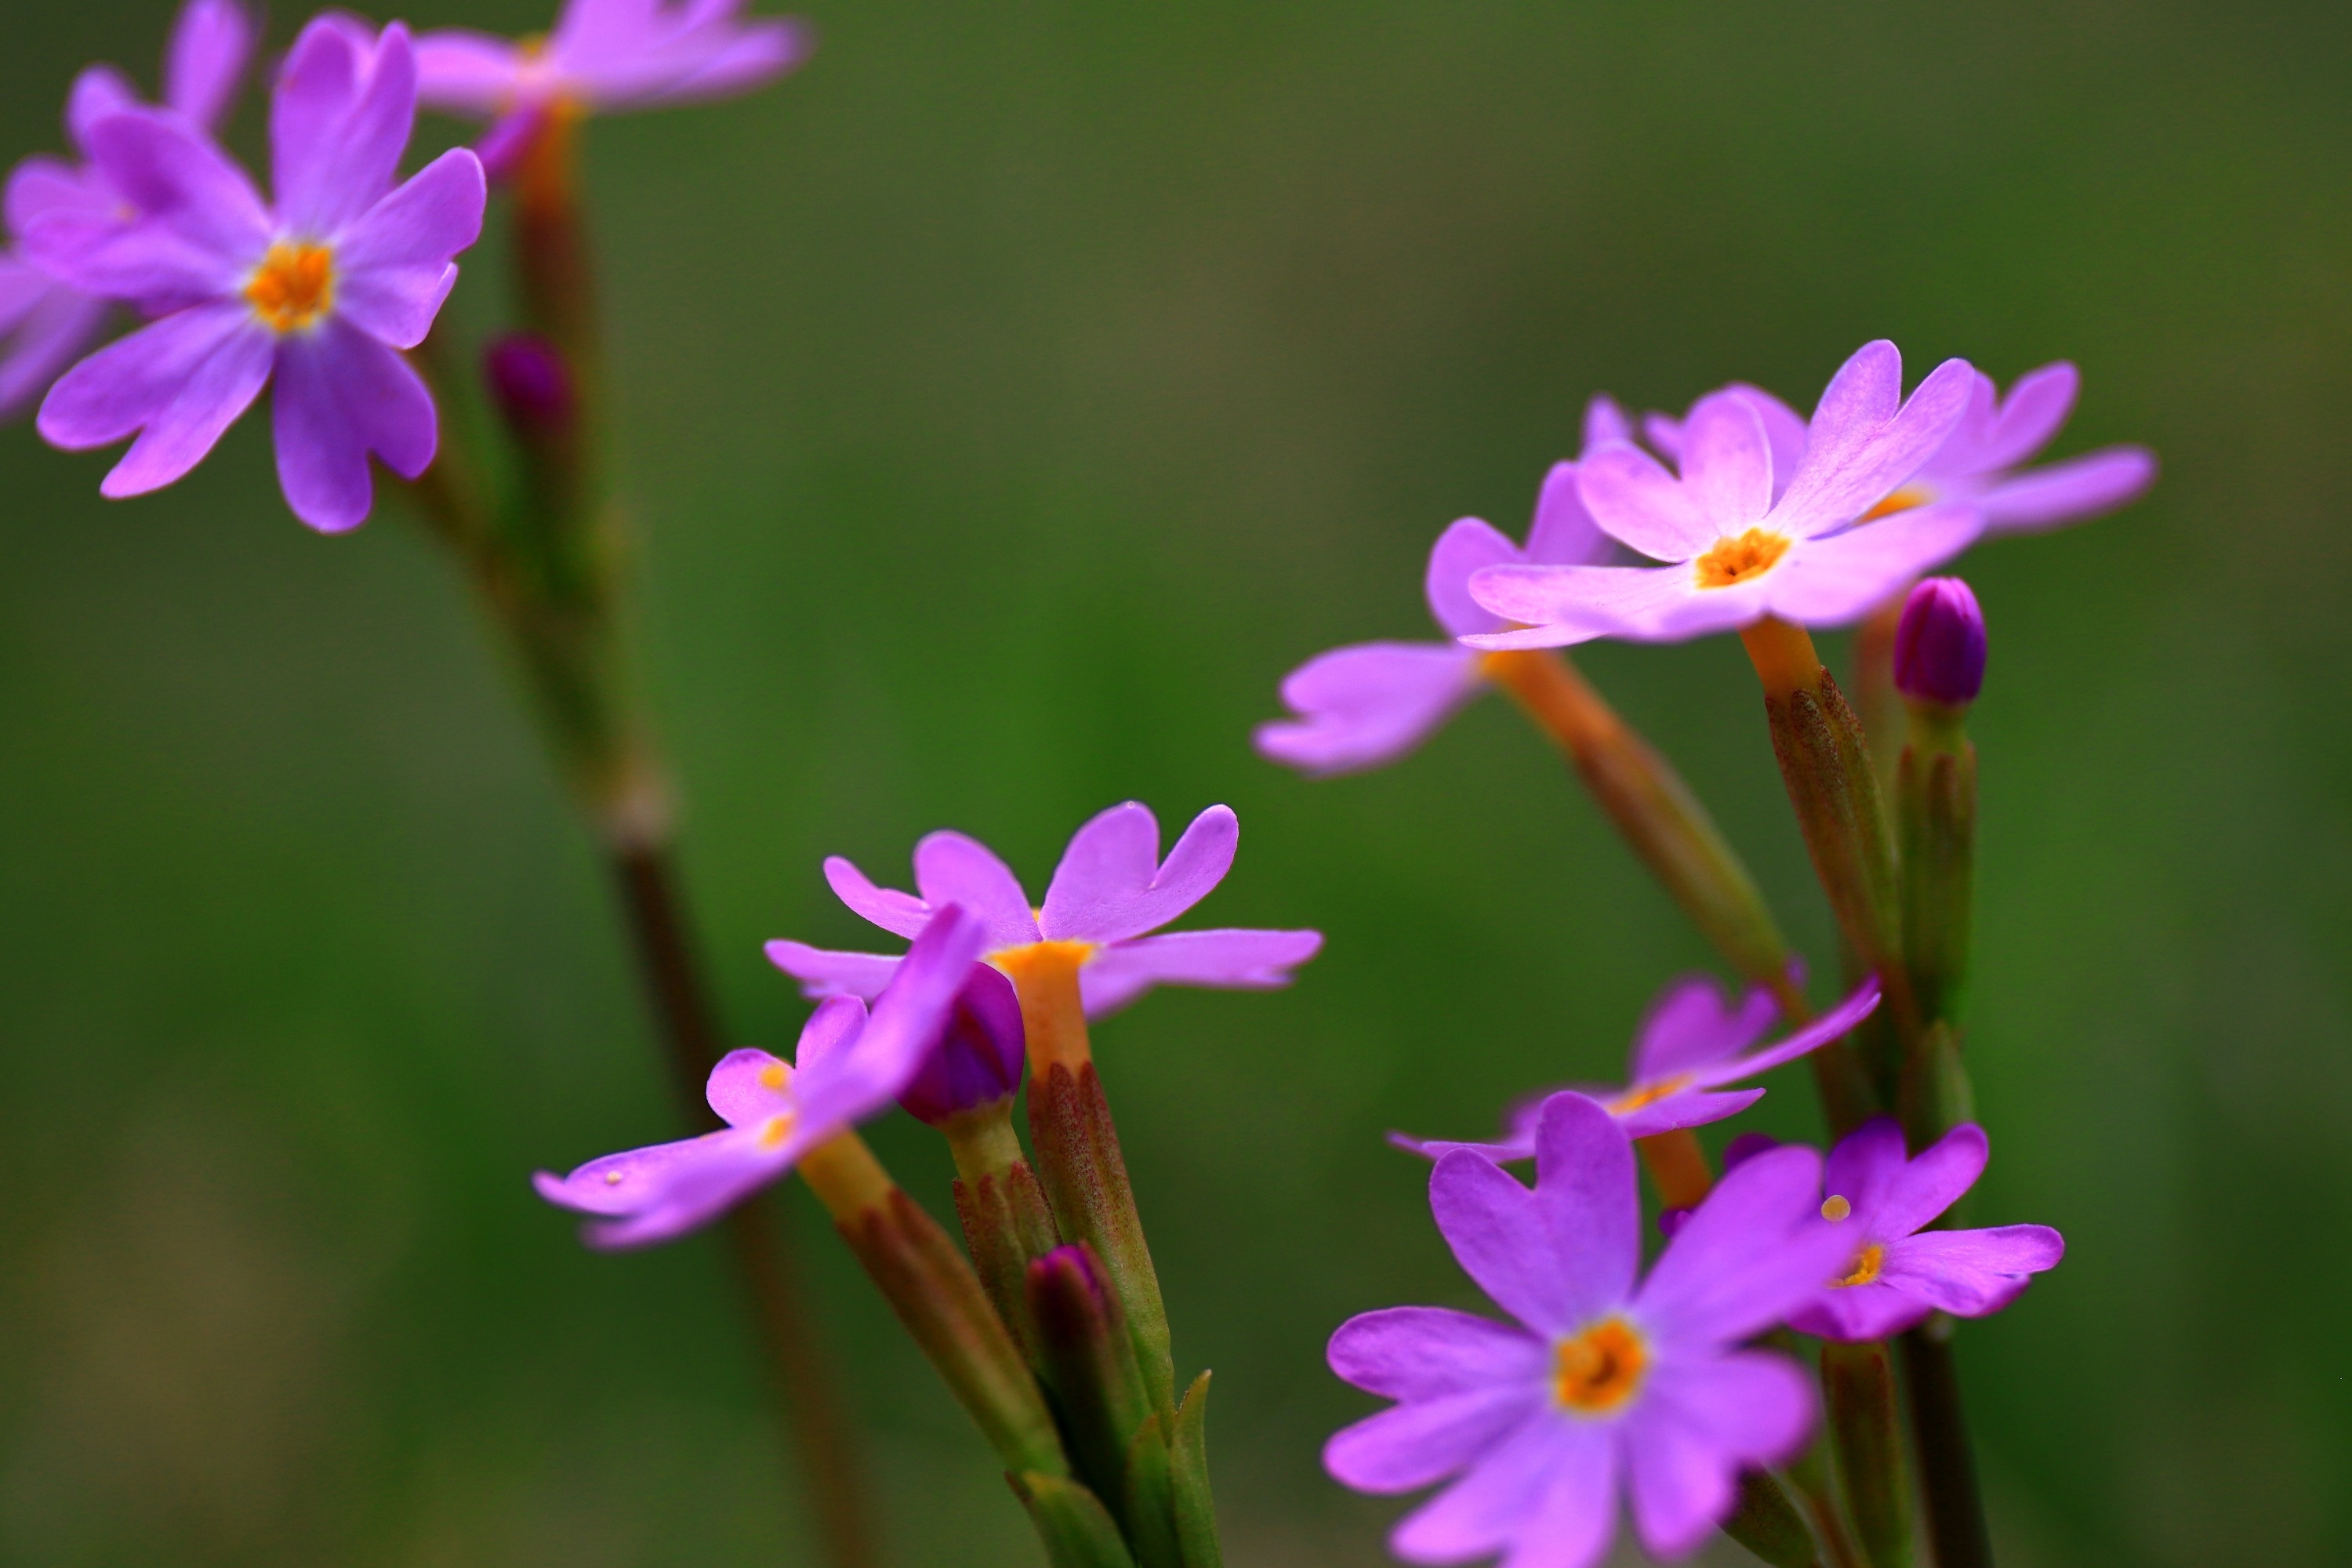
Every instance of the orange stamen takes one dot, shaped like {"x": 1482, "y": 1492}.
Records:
{"x": 1865, "y": 1266}
{"x": 1600, "y": 1368}
{"x": 1740, "y": 559}
{"x": 293, "y": 287}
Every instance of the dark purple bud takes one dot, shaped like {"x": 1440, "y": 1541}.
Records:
{"x": 529, "y": 380}
{"x": 1940, "y": 647}
{"x": 978, "y": 1059}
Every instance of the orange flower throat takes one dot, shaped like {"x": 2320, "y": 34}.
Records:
{"x": 293, "y": 287}
{"x": 1741, "y": 559}
{"x": 1649, "y": 1093}
{"x": 1598, "y": 1370}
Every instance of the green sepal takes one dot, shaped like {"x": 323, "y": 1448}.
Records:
{"x": 1071, "y": 1521}
{"x": 1150, "y": 1499}
{"x": 1768, "y": 1524}
{"x": 1196, "y": 1507}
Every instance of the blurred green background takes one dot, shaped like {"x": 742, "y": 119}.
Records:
{"x": 1009, "y": 400}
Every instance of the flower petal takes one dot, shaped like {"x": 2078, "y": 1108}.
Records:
{"x": 180, "y": 382}
{"x": 466, "y": 72}
{"x": 1864, "y": 1166}
{"x": 1563, "y": 533}
{"x": 1637, "y": 503}
{"x": 864, "y": 1077}
{"x": 1111, "y": 884}
{"x": 1469, "y": 545}
{"x": 1699, "y": 1422}
{"x": 1784, "y": 431}
{"x": 1604, "y": 421}
{"x": 202, "y": 225}
{"x": 339, "y": 123}
{"x": 1854, "y": 1314}
{"x": 1410, "y": 1445}
{"x": 1751, "y": 1252}
{"x": 759, "y": 52}
{"x": 1575, "y": 1524}
{"x": 1838, "y": 1021}
{"x": 211, "y": 44}
{"x": 1689, "y": 1108}
{"x": 826, "y": 973}
{"x": 1925, "y": 1188}
{"x": 393, "y": 267}
{"x": 956, "y": 869}
{"x": 901, "y": 914}
{"x": 1726, "y": 463}
{"x": 1502, "y": 1496}
{"x": 1969, "y": 1273}
{"x": 834, "y": 1028}
{"x": 46, "y": 334}
{"x": 632, "y": 1181}
{"x": 1565, "y": 605}
{"x": 1692, "y": 1025}
{"x": 1220, "y": 959}
{"x": 1862, "y": 445}
{"x": 1426, "y": 1353}
{"x": 2030, "y": 415}
{"x": 739, "y": 1094}
{"x": 1363, "y": 706}
{"x": 1588, "y": 1195}
{"x": 341, "y": 396}
{"x": 2070, "y": 492}
{"x": 1839, "y": 579}
{"x": 1499, "y": 1236}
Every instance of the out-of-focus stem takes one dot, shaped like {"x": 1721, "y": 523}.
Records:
{"x": 1657, "y": 814}
{"x": 552, "y": 257}
{"x": 1935, "y": 801}
{"x": 1825, "y": 763}
{"x": 1875, "y": 696}
{"x": 1677, "y": 1167}
{"x": 1858, "y": 1385}
{"x": 1939, "y": 1435}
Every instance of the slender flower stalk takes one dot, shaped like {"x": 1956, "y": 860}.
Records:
{"x": 1865, "y": 1423}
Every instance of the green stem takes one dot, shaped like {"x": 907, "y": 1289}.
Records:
{"x": 1939, "y": 1435}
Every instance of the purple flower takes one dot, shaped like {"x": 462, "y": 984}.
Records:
{"x": 610, "y": 54}
{"x": 1369, "y": 703}
{"x": 1603, "y": 1384}
{"x": 1109, "y": 892}
{"x": 1741, "y": 545}
{"x": 1687, "y": 1048}
{"x": 848, "y": 1066}
{"x": 1940, "y": 644}
{"x": 979, "y": 1057}
{"x": 1895, "y": 1271}
{"x": 319, "y": 292}
{"x": 45, "y": 322}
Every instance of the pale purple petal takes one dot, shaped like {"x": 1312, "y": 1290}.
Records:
{"x": 466, "y": 72}
{"x": 1425, "y": 1352}
{"x": 392, "y": 268}
{"x": 1502, "y": 1495}
{"x": 1684, "y": 610}
{"x": 956, "y": 869}
{"x": 826, "y": 973}
{"x": 204, "y": 226}
{"x": 1860, "y": 447}
{"x": 629, "y": 1181}
{"x": 1835, "y": 581}
{"x": 2070, "y": 492}
{"x": 834, "y": 1028}
{"x": 1925, "y": 1188}
{"x": 1637, "y": 503}
{"x": 97, "y": 92}
{"x": 210, "y": 44}
{"x": 1693, "y": 1024}
{"x": 41, "y": 184}
{"x": 1575, "y": 1522}
{"x": 1699, "y": 1424}
{"x": 1663, "y": 433}
{"x": 339, "y": 120}
{"x": 697, "y": 1191}
{"x": 1220, "y": 959}
{"x": 901, "y": 914}
{"x": 181, "y": 383}
{"x": 1969, "y": 1273}
{"x": 46, "y": 335}
{"x": 1604, "y": 421}
{"x": 1838, "y": 1021}
{"x": 1856, "y": 1314}
{"x": 341, "y": 396}
{"x": 1410, "y": 1445}
{"x": 1748, "y": 1254}
{"x": 759, "y": 53}
{"x": 2030, "y": 415}
{"x": 1363, "y": 706}
{"x": 1564, "y": 604}
{"x": 1687, "y": 1108}
{"x": 1784, "y": 431}
{"x": 739, "y": 1094}
{"x": 1726, "y": 463}
{"x": 1467, "y": 546}
{"x": 1563, "y": 533}
{"x": 1111, "y": 885}
{"x": 1500, "y": 1237}
{"x": 1588, "y": 1195}
{"x": 1516, "y": 1144}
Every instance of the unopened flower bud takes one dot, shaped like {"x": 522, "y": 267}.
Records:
{"x": 1940, "y": 647}
{"x": 978, "y": 1059}
{"x": 530, "y": 382}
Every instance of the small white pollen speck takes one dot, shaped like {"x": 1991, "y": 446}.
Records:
{"x": 612, "y": 1178}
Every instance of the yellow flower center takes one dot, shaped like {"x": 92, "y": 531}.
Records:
{"x": 1903, "y": 499}
{"x": 293, "y": 287}
{"x": 1741, "y": 560}
{"x": 776, "y": 1129}
{"x": 1650, "y": 1093}
{"x": 1866, "y": 1266}
{"x": 1600, "y": 1369}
